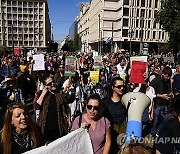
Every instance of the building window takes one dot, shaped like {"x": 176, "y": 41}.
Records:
{"x": 137, "y": 2}
{"x": 160, "y": 35}
{"x": 142, "y": 12}
{"x": 126, "y": 12}
{"x": 156, "y": 3}
{"x": 137, "y": 23}
{"x": 150, "y": 1}
{"x": 142, "y": 3}
{"x": 137, "y": 12}
{"x": 163, "y": 35}
{"x": 125, "y": 33}
{"x": 126, "y": 2}
{"x": 149, "y": 24}
{"x": 148, "y": 35}
{"x": 149, "y": 13}
{"x": 125, "y": 22}
{"x": 136, "y": 33}
{"x": 154, "y": 35}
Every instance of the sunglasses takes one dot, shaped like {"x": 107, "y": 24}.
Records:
{"x": 50, "y": 83}
{"x": 119, "y": 86}
{"x": 89, "y": 107}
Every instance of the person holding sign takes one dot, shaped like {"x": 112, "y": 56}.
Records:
{"x": 98, "y": 127}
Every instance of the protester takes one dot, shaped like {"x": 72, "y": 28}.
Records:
{"x": 59, "y": 77}
{"x": 19, "y": 133}
{"x": 11, "y": 91}
{"x": 115, "y": 111}
{"x": 54, "y": 114}
{"x": 176, "y": 80}
{"x": 170, "y": 133}
{"x": 74, "y": 95}
{"x": 10, "y": 69}
{"x": 161, "y": 84}
{"x": 98, "y": 127}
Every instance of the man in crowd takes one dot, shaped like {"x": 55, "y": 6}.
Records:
{"x": 10, "y": 69}
{"x": 161, "y": 84}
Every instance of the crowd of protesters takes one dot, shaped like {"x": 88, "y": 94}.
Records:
{"x": 68, "y": 103}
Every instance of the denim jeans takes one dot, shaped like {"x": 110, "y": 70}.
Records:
{"x": 160, "y": 117}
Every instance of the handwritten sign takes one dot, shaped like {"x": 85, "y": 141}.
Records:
{"x": 38, "y": 62}
{"x": 137, "y": 71}
{"x": 77, "y": 141}
{"x": 70, "y": 66}
{"x": 138, "y": 58}
{"x": 97, "y": 62}
{"x": 94, "y": 75}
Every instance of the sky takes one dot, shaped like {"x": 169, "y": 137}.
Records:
{"x": 62, "y": 15}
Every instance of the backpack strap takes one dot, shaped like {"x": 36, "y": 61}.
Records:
{"x": 80, "y": 120}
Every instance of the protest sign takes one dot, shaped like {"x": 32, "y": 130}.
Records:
{"x": 168, "y": 59}
{"x": 97, "y": 62}
{"x": 70, "y": 66}
{"x": 77, "y": 141}
{"x": 137, "y": 72}
{"x": 38, "y": 62}
{"x": 138, "y": 58}
{"x": 94, "y": 75}
{"x": 95, "y": 53}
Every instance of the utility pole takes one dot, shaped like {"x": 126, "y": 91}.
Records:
{"x": 112, "y": 36}
{"x": 99, "y": 42}
{"x": 141, "y": 35}
{"x": 130, "y": 36}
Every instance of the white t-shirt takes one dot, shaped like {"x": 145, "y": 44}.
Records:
{"x": 150, "y": 93}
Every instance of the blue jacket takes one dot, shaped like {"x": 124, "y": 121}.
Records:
{"x": 9, "y": 71}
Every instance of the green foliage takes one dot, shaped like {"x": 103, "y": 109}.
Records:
{"x": 5, "y": 52}
{"x": 75, "y": 44}
{"x": 169, "y": 17}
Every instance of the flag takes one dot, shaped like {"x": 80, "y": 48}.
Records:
{"x": 109, "y": 40}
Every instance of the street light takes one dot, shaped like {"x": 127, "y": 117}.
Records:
{"x": 141, "y": 37}
{"x": 131, "y": 33}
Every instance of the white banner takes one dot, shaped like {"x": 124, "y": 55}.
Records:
{"x": 38, "y": 62}
{"x": 76, "y": 142}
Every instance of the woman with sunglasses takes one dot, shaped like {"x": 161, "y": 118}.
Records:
{"x": 19, "y": 133}
{"x": 115, "y": 111}
{"x": 98, "y": 127}
{"x": 54, "y": 113}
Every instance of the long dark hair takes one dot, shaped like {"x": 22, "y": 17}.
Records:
{"x": 113, "y": 82}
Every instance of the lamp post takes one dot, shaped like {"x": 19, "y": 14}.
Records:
{"x": 112, "y": 48}
{"x": 99, "y": 42}
{"x": 141, "y": 34}
{"x": 131, "y": 33}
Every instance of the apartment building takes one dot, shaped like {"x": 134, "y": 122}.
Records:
{"x": 24, "y": 23}
{"x": 123, "y": 20}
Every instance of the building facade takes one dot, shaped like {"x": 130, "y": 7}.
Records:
{"x": 129, "y": 23}
{"x": 24, "y": 23}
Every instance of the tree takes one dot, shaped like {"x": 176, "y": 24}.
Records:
{"x": 77, "y": 42}
{"x": 73, "y": 45}
{"x": 169, "y": 17}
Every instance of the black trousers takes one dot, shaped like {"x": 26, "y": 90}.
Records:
{"x": 51, "y": 135}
